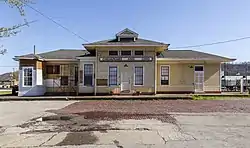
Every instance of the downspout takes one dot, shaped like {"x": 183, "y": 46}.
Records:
{"x": 220, "y": 77}
{"x": 155, "y": 69}
{"x": 95, "y": 74}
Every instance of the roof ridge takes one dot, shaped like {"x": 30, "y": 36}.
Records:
{"x": 70, "y": 49}
{"x": 181, "y": 50}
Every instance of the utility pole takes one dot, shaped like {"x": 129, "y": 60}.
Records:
{"x": 34, "y": 50}
{"x": 13, "y": 80}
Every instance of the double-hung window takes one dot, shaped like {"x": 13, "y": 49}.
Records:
{"x": 138, "y": 75}
{"x": 53, "y": 69}
{"x": 164, "y": 75}
{"x": 27, "y": 76}
{"x": 112, "y": 75}
{"x": 88, "y": 75}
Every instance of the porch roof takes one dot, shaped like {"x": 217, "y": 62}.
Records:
{"x": 68, "y": 54}
{"x": 191, "y": 55}
{"x": 115, "y": 42}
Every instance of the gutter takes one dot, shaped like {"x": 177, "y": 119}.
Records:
{"x": 190, "y": 59}
{"x": 130, "y": 45}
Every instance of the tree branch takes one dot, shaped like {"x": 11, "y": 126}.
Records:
{"x": 19, "y": 4}
{"x": 2, "y": 51}
{"x": 11, "y": 31}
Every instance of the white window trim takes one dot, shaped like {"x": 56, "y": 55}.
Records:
{"x": 32, "y": 76}
{"x": 117, "y": 83}
{"x": 118, "y": 53}
{"x": 139, "y": 50}
{"x": 93, "y": 74}
{"x": 143, "y": 72}
{"x": 131, "y": 52}
{"x": 168, "y": 75}
{"x": 203, "y": 77}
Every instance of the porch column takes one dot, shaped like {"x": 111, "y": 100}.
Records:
{"x": 95, "y": 74}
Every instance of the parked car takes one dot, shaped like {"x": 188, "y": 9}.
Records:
{"x": 15, "y": 90}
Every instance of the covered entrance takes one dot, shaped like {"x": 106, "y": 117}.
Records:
{"x": 199, "y": 78}
{"x": 125, "y": 82}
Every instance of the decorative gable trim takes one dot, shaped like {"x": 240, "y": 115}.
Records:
{"x": 127, "y": 33}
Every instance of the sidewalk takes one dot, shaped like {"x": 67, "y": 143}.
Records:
{"x": 123, "y": 97}
{"x": 63, "y": 98}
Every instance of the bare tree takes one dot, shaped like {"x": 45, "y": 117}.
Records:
{"x": 13, "y": 30}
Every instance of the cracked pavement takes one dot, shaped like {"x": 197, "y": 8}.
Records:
{"x": 191, "y": 129}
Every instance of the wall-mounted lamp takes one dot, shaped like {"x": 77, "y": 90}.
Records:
{"x": 125, "y": 65}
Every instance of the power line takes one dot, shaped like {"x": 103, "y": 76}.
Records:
{"x": 9, "y": 66}
{"x": 49, "y": 18}
{"x": 214, "y": 43}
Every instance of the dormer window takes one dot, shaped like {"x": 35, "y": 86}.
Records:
{"x": 138, "y": 52}
{"x": 113, "y": 53}
{"x": 126, "y": 53}
{"x": 126, "y": 35}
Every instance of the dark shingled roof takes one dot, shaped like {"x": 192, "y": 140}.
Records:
{"x": 191, "y": 54}
{"x": 127, "y": 37}
{"x": 57, "y": 54}
{"x": 139, "y": 41}
{"x": 168, "y": 54}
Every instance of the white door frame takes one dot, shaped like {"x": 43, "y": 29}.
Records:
{"x": 200, "y": 72}
{"x": 128, "y": 83}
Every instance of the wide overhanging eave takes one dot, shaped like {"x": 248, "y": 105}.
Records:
{"x": 158, "y": 47}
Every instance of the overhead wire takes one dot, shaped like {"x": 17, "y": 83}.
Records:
{"x": 213, "y": 43}
{"x": 55, "y": 22}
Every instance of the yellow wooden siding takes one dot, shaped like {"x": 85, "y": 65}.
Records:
{"x": 182, "y": 77}
{"x": 149, "y": 68}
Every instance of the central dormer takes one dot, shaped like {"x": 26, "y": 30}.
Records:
{"x": 126, "y": 39}
{"x": 126, "y": 35}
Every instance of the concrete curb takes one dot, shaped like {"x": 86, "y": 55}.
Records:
{"x": 208, "y": 114}
{"x": 78, "y": 98}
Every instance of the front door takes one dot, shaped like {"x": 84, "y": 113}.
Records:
{"x": 125, "y": 82}
{"x": 199, "y": 78}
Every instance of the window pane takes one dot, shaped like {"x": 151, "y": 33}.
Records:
{"x": 88, "y": 79}
{"x": 57, "y": 69}
{"x": 30, "y": 72}
{"x": 198, "y": 68}
{"x": 113, "y": 53}
{"x": 53, "y": 69}
{"x": 49, "y": 69}
{"x": 29, "y": 81}
{"x": 25, "y": 71}
{"x": 139, "y": 75}
{"x": 112, "y": 75}
{"x": 139, "y": 52}
{"x": 164, "y": 82}
{"x": 125, "y": 52}
{"x": 25, "y": 81}
{"x": 81, "y": 76}
{"x": 64, "y": 80}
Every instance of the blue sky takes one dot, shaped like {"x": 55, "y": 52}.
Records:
{"x": 178, "y": 22}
